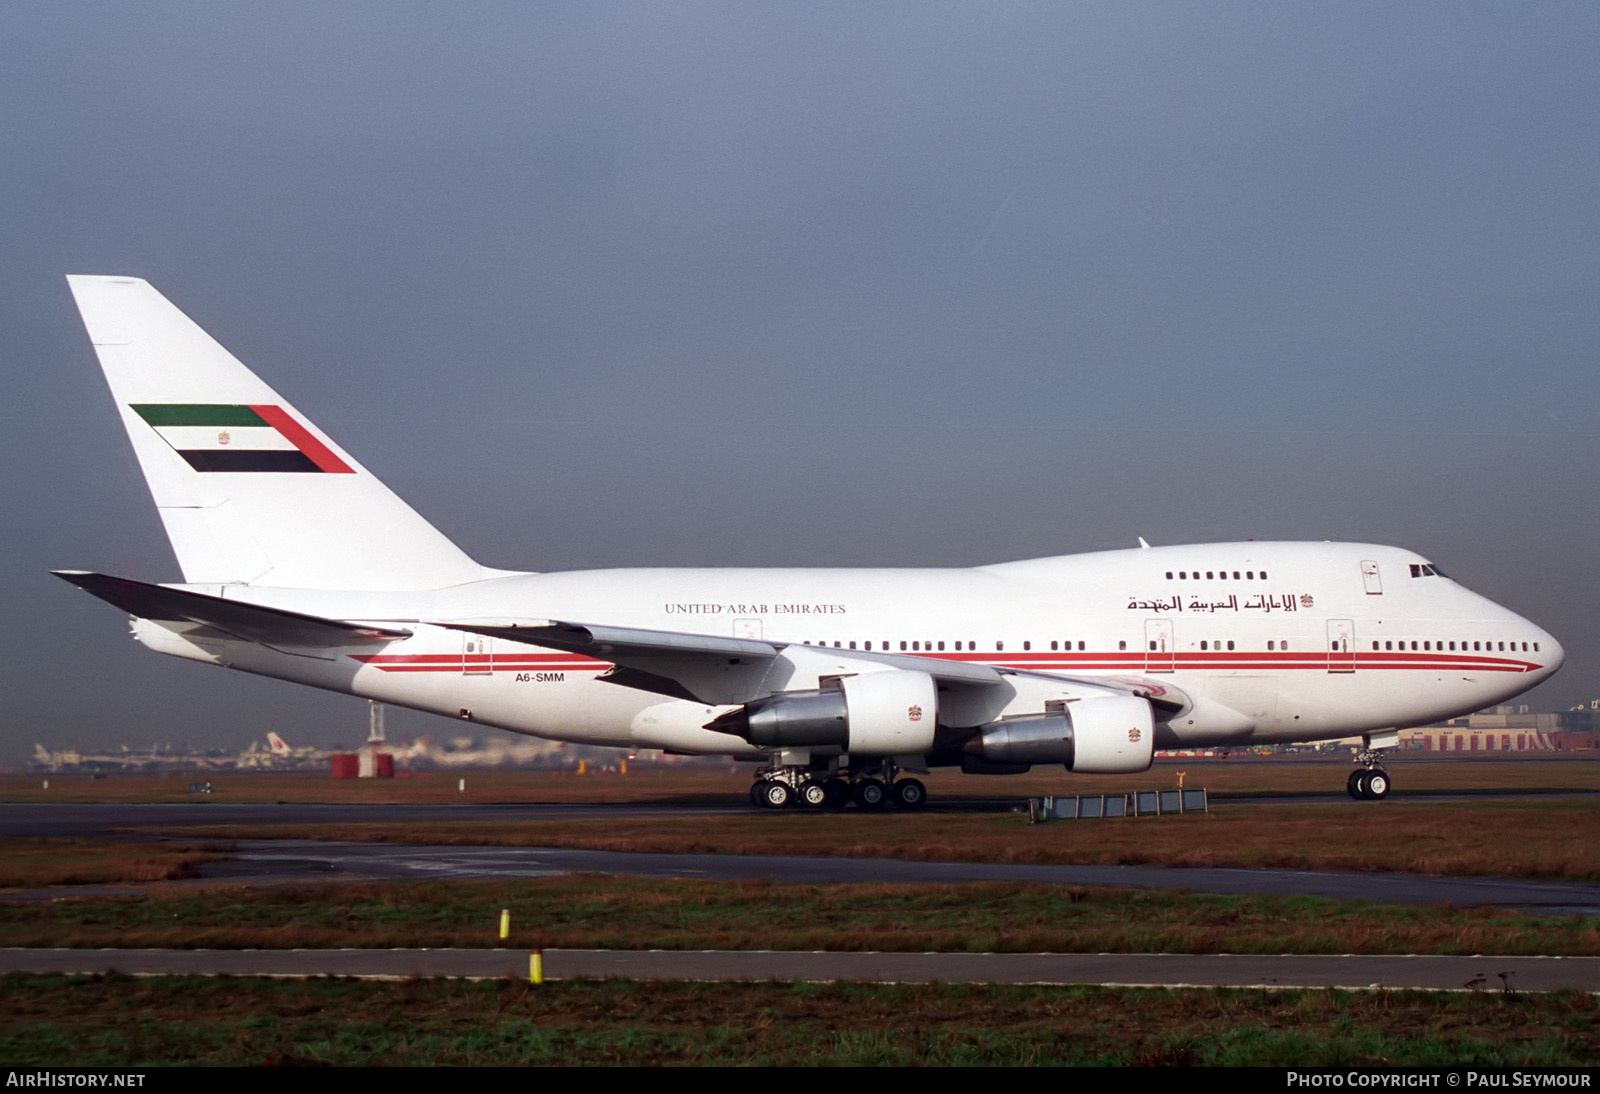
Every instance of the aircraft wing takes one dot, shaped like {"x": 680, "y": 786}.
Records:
{"x": 250, "y": 622}
{"x": 718, "y": 670}
{"x": 701, "y": 668}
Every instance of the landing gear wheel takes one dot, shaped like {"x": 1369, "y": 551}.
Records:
{"x": 1369, "y": 784}
{"x": 909, "y": 794}
{"x": 1353, "y": 784}
{"x": 838, "y": 793}
{"x": 870, "y": 794}
{"x": 757, "y": 788}
{"x": 813, "y": 794}
{"x": 1377, "y": 784}
{"x": 775, "y": 795}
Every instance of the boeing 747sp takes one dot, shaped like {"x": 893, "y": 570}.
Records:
{"x": 299, "y": 564}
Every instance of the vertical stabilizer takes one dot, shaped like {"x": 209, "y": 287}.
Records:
{"x": 249, "y": 490}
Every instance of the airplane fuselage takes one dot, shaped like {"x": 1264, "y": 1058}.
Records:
{"x": 1266, "y": 642}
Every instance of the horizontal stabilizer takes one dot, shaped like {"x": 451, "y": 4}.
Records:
{"x": 250, "y": 622}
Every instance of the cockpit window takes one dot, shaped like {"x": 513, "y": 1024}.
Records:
{"x": 1426, "y": 569}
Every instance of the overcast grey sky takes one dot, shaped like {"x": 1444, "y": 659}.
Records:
{"x": 893, "y": 284}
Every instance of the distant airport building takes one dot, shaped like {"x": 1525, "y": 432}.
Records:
{"x": 1510, "y": 729}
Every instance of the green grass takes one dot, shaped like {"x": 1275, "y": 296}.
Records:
{"x": 122, "y": 1022}
{"x": 637, "y": 913}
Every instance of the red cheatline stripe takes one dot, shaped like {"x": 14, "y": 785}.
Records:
{"x": 455, "y": 662}
{"x": 1311, "y": 661}
{"x": 497, "y": 667}
{"x": 455, "y": 658}
{"x": 319, "y": 453}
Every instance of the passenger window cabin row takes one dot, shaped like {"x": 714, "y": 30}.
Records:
{"x": 1206, "y": 645}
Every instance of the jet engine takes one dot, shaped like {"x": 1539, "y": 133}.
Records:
{"x": 1102, "y": 734}
{"x": 889, "y": 713}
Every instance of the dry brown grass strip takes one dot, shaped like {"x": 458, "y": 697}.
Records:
{"x": 1544, "y": 839}
{"x": 34, "y": 863}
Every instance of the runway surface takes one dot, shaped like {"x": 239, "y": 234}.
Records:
{"x": 287, "y": 861}
{"x": 1498, "y": 974}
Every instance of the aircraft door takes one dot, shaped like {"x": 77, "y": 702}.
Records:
{"x": 1370, "y": 578}
{"x": 477, "y": 654}
{"x": 1161, "y": 652}
{"x": 1341, "y": 645}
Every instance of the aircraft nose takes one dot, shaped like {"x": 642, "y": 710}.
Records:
{"x": 1547, "y": 653}
{"x": 1553, "y": 654}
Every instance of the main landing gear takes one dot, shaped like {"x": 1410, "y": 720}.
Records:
{"x": 871, "y": 788}
{"x": 1369, "y": 782}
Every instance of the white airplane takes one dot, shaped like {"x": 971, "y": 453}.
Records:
{"x": 299, "y": 564}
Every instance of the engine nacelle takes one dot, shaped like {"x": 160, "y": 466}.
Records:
{"x": 1103, "y": 734}
{"x": 888, "y": 713}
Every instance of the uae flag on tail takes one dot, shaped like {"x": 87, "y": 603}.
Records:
{"x": 224, "y": 437}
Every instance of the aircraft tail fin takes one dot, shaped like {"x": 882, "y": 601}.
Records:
{"x": 250, "y": 491}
